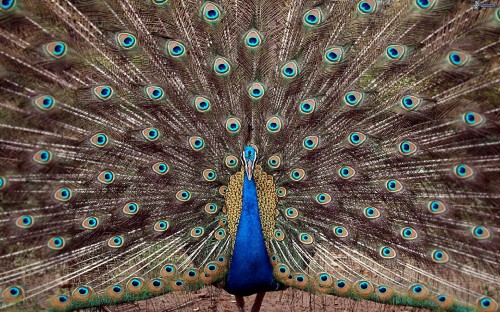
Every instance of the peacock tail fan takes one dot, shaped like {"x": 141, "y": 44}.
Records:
{"x": 373, "y": 129}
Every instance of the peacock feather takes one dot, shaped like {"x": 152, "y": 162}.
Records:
{"x": 348, "y": 148}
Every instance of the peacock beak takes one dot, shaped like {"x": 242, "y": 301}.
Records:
{"x": 249, "y": 168}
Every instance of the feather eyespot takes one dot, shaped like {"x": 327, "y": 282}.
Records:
{"x": 135, "y": 285}
{"x": 154, "y": 93}
{"x": 424, "y": 4}
{"x": 3, "y": 182}
{"x": 197, "y": 232}
{"x": 436, "y": 207}
{"x": 196, "y": 143}
{"x": 63, "y": 194}
{"x": 115, "y": 291}
{"x": 44, "y": 102}
{"x": 56, "y": 49}
{"x": 106, "y": 177}
{"x": 126, "y": 40}
{"x": 290, "y": 70}
{"x": 253, "y": 39}
{"x": 202, "y": 104}
{"x": 387, "y": 252}
{"x": 340, "y": 231}
{"x": 439, "y": 256}
{"x": 323, "y": 198}
{"x": 353, "y": 98}
{"x": 169, "y": 270}
{"x": 480, "y": 232}
{"x": 233, "y": 125}
{"x": 131, "y": 208}
{"x": 151, "y": 134}
{"x": 231, "y": 161}
{"x": 410, "y": 102}
{"x": 486, "y": 304}
{"x": 395, "y": 51}
{"x": 342, "y": 287}
{"x": 25, "y": 221}
{"x": 220, "y": 234}
{"x": 99, "y": 140}
{"x": 223, "y": 190}
{"x": 281, "y": 270}
{"x": 103, "y": 93}
{"x": 313, "y": 17}
{"x": 356, "y": 138}
{"x": 274, "y": 161}
{"x": 222, "y": 66}
{"x": 160, "y": 168}
{"x": 155, "y": 285}
{"x": 408, "y": 233}
{"x": 310, "y": 142}
{"x": 211, "y": 208}
{"x": 183, "y": 195}
{"x": 367, "y": 6}
{"x": 209, "y": 175}
{"x": 291, "y": 213}
{"x": 463, "y": 171}
{"x": 12, "y": 294}
{"x": 363, "y": 287}
{"x": 56, "y": 243}
{"x": 159, "y": 2}
{"x": 307, "y": 107}
{"x": 407, "y": 148}
{"x": 211, "y": 12}
{"x": 161, "y": 226}
{"x": 333, "y": 55}
{"x": 256, "y": 91}
{"x": 393, "y": 185}
{"x": 384, "y": 292}
{"x": 371, "y": 213}
{"x": 42, "y": 157}
{"x": 418, "y": 291}
{"x": 457, "y": 58}
{"x": 90, "y": 223}
{"x": 116, "y": 241}
{"x": 175, "y": 49}
{"x": 60, "y": 301}
{"x": 281, "y": 191}
{"x": 306, "y": 238}
{"x": 7, "y": 5}
{"x": 324, "y": 279}
{"x": 346, "y": 172}
{"x": 274, "y": 124}
{"x": 279, "y": 235}
{"x": 82, "y": 293}
{"x": 472, "y": 119}
{"x": 297, "y": 174}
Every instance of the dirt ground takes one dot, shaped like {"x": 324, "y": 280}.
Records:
{"x": 290, "y": 300}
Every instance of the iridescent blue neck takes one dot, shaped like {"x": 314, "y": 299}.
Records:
{"x": 250, "y": 270}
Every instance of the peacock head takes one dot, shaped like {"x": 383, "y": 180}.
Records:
{"x": 249, "y": 156}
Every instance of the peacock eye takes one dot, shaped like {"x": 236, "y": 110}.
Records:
{"x": 297, "y": 174}
{"x": 436, "y": 207}
{"x": 106, "y": 177}
{"x": 56, "y": 243}
{"x": 472, "y": 118}
{"x": 231, "y": 161}
{"x": 151, "y": 134}
{"x": 313, "y": 17}
{"x": 56, "y": 49}
{"x": 256, "y": 91}
{"x": 274, "y": 161}
{"x": 346, "y": 172}
{"x": 116, "y": 241}
{"x": 323, "y": 198}
{"x": 197, "y": 231}
{"x": 371, "y": 213}
{"x": 42, "y": 156}
{"x": 480, "y": 232}
{"x": 424, "y": 4}
{"x": 387, "y": 252}
{"x": 209, "y": 175}
{"x": 407, "y": 148}
{"x": 103, "y": 93}
{"x": 44, "y": 102}
{"x": 62, "y": 194}
{"x": 161, "y": 226}
{"x": 25, "y": 221}
{"x": 160, "y": 168}
{"x": 130, "y": 208}
{"x": 253, "y": 39}
{"x": 154, "y": 92}
{"x": 393, "y": 185}
{"x": 367, "y": 6}
{"x": 333, "y": 55}
{"x": 440, "y": 256}
{"x": 99, "y": 140}
{"x": 290, "y": 70}
{"x": 281, "y": 191}
{"x": 353, "y": 98}
{"x": 7, "y": 5}
{"x": 274, "y": 124}
{"x": 410, "y": 102}
{"x": 340, "y": 231}
{"x": 395, "y": 51}
{"x": 463, "y": 171}
{"x": 196, "y": 143}
{"x": 126, "y": 40}
{"x": 183, "y": 195}
{"x": 211, "y": 12}
{"x": 457, "y": 58}
{"x": 175, "y": 49}
{"x": 307, "y": 107}
{"x": 202, "y": 104}
{"x": 233, "y": 125}
{"x": 220, "y": 234}
{"x": 310, "y": 142}
{"x": 221, "y": 66}
{"x": 90, "y": 223}
{"x": 306, "y": 238}
{"x": 408, "y": 233}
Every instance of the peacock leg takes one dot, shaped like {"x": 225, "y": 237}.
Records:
{"x": 240, "y": 303}
{"x": 258, "y": 301}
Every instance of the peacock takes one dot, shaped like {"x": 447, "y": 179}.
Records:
{"x": 344, "y": 147}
